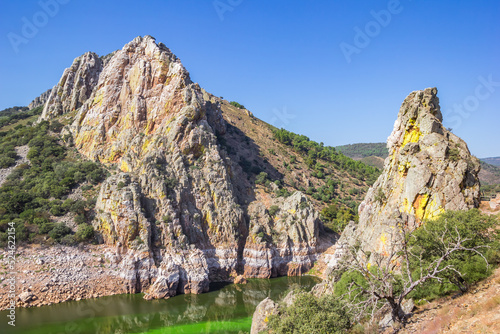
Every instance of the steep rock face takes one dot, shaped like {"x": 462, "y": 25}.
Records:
{"x": 285, "y": 243}
{"x": 40, "y": 100}
{"x": 170, "y": 208}
{"x": 74, "y": 87}
{"x": 428, "y": 170}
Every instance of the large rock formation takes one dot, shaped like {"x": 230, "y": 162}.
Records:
{"x": 283, "y": 243}
{"x": 40, "y": 100}
{"x": 170, "y": 208}
{"x": 429, "y": 170}
{"x": 74, "y": 87}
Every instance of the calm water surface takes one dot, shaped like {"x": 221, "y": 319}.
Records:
{"x": 226, "y": 309}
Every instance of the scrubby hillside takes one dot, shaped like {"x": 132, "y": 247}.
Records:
{"x": 489, "y": 174}
{"x": 363, "y": 150}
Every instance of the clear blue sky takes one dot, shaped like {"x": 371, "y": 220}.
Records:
{"x": 283, "y": 59}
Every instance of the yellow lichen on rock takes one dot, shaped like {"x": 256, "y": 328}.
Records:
{"x": 411, "y": 136}
{"x": 383, "y": 238}
{"x": 432, "y": 211}
{"x": 125, "y": 167}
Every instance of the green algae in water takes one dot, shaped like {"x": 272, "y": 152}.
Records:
{"x": 227, "y": 309}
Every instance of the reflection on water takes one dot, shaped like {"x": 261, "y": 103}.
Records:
{"x": 226, "y": 309}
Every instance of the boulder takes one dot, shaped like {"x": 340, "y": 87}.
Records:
{"x": 261, "y": 315}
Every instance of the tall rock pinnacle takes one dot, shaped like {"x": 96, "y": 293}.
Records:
{"x": 429, "y": 170}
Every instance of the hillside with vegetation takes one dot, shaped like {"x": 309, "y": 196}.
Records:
{"x": 288, "y": 162}
{"x": 363, "y": 150}
{"x": 490, "y": 174}
{"x": 36, "y": 195}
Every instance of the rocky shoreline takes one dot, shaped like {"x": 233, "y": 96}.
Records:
{"x": 55, "y": 274}
{"x": 48, "y": 275}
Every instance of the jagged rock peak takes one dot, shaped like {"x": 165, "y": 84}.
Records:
{"x": 429, "y": 170}
{"x": 40, "y": 100}
{"x": 171, "y": 207}
{"x": 81, "y": 78}
{"x": 74, "y": 87}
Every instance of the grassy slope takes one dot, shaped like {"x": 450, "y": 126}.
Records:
{"x": 477, "y": 311}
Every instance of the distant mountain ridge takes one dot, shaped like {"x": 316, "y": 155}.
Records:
{"x": 495, "y": 161}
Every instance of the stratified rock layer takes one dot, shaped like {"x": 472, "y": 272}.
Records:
{"x": 170, "y": 208}
{"x": 429, "y": 170}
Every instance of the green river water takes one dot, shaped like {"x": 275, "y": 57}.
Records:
{"x": 226, "y": 309}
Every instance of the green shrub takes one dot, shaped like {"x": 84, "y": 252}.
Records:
{"x": 80, "y": 218}
{"x": 237, "y": 105}
{"x": 59, "y": 231}
{"x": 21, "y": 230}
{"x": 6, "y": 161}
{"x": 45, "y": 228}
{"x": 309, "y": 314}
{"x": 273, "y": 210}
{"x": 469, "y": 266}
{"x": 84, "y": 232}
{"x": 68, "y": 240}
{"x": 454, "y": 154}
{"x": 261, "y": 178}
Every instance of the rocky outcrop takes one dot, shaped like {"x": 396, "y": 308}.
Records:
{"x": 283, "y": 239}
{"x": 171, "y": 208}
{"x": 40, "y": 100}
{"x": 74, "y": 87}
{"x": 429, "y": 170}
{"x": 261, "y": 315}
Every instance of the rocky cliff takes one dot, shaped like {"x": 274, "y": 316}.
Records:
{"x": 40, "y": 100}
{"x": 428, "y": 170}
{"x": 177, "y": 208}
{"x": 74, "y": 87}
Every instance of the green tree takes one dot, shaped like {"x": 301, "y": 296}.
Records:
{"x": 477, "y": 235}
{"x": 449, "y": 250}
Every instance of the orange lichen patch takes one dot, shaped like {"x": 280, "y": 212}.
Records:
{"x": 115, "y": 156}
{"x": 419, "y": 205}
